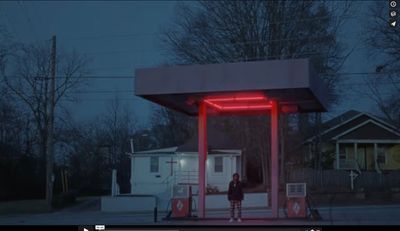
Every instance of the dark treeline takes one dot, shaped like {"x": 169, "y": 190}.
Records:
{"x": 87, "y": 152}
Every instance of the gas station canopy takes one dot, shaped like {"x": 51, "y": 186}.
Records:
{"x": 260, "y": 87}
{"x": 230, "y": 88}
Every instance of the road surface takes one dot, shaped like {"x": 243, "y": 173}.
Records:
{"x": 351, "y": 215}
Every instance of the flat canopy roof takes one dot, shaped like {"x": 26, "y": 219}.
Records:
{"x": 292, "y": 83}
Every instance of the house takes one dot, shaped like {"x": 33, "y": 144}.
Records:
{"x": 156, "y": 171}
{"x": 359, "y": 141}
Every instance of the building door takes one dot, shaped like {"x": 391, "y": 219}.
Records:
{"x": 360, "y": 157}
{"x": 365, "y": 156}
{"x": 370, "y": 157}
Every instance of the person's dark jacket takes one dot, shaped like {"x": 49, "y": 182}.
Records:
{"x": 235, "y": 191}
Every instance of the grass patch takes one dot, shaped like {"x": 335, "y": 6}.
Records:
{"x": 23, "y": 206}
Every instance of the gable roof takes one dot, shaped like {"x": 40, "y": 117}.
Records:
{"x": 369, "y": 129}
{"x": 169, "y": 150}
{"x": 352, "y": 120}
{"x": 218, "y": 143}
{"x": 340, "y": 119}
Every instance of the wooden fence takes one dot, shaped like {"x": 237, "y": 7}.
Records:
{"x": 339, "y": 180}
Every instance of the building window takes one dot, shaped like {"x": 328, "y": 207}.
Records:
{"x": 381, "y": 158}
{"x": 154, "y": 164}
{"x": 218, "y": 164}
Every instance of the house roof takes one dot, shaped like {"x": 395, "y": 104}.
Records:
{"x": 169, "y": 150}
{"x": 340, "y": 119}
{"x": 357, "y": 125}
{"x": 218, "y": 143}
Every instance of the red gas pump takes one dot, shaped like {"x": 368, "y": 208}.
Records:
{"x": 182, "y": 201}
{"x": 296, "y": 200}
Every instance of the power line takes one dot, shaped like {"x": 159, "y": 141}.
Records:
{"x": 114, "y": 67}
{"x": 98, "y": 99}
{"x": 347, "y": 94}
{"x": 239, "y": 59}
{"x": 108, "y": 36}
{"x": 133, "y": 98}
{"x": 132, "y": 76}
{"x": 368, "y": 73}
{"x": 102, "y": 91}
{"x": 106, "y": 52}
{"x": 131, "y": 91}
{"x": 81, "y": 77}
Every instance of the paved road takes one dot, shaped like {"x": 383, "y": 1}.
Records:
{"x": 364, "y": 215}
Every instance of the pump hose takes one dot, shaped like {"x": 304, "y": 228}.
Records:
{"x": 168, "y": 212}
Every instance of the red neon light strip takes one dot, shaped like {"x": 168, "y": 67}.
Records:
{"x": 254, "y": 102}
{"x": 238, "y": 107}
{"x": 246, "y": 107}
{"x": 236, "y": 99}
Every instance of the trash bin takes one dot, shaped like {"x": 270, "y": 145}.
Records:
{"x": 296, "y": 200}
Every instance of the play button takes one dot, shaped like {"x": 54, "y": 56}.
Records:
{"x": 85, "y": 228}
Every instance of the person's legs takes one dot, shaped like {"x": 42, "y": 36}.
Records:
{"x": 232, "y": 209}
{"x": 239, "y": 208}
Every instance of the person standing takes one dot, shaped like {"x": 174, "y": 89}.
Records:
{"x": 235, "y": 197}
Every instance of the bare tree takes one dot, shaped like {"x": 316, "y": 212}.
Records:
{"x": 171, "y": 128}
{"x": 27, "y": 74}
{"x": 231, "y": 31}
{"x": 119, "y": 125}
{"x": 384, "y": 45}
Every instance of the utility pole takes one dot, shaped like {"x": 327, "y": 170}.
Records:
{"x": 50, "y": 129}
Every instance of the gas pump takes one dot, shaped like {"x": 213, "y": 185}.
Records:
{"x": 182, "y": 201}
{"x": 296, "y": 200}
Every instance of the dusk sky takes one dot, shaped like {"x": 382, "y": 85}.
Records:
{"x": 121, "y": 36}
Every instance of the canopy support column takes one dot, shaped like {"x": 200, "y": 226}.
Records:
{"x": 202, "y": 130}
{"x": 274, "y": 160}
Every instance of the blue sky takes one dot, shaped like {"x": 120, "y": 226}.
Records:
{"x": 121, "y": 36}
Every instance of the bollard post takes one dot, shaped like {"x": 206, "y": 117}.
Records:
{"x": 155, "y": 214}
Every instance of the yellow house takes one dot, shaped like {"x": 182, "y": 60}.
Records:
{"x": 359, "y": 141}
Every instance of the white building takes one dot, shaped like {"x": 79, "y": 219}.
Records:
{"x": 156, "y": 171}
